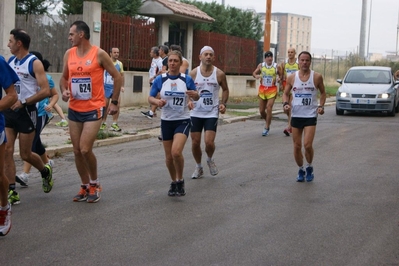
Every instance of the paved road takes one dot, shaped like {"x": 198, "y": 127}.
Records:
{"x": 252, "y": 213}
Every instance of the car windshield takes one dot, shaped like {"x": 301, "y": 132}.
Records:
{"x": 368, "y": 76}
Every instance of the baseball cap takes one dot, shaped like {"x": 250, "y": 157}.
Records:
{"x": 268, "y": 53}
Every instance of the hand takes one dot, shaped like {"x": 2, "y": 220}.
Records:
{"x": 17, "y": 105}
{"x": 320, "y": 110}
{"x": 113, "y": 109}
{"x": 286, "y": 108}
{"x": 122, "y": 89}
{"x": 66, "y": 94}
{"x": 222, "y": 108}
{"x": 161, "y": 103}
{"x": 190, "y": 105}
{"x": 193, "y": 94}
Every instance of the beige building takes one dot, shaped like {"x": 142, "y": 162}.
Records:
{"x": 293, "y": 31}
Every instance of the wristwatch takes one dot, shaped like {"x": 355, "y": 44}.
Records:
{"x": 114, "y": 102}
{"x": 23, "y": 102}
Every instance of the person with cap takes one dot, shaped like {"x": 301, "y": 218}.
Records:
{"x": 268, "y": 74}
{"x": 288, "y": 67}
{"x": 305, "y": 84}
{"x": 204, "y": 113}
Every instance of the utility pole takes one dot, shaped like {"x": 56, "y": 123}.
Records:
{"x": 266, "y": 38}
{"x": 363, "y": 22}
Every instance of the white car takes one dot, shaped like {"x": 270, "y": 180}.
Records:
{"x": 368, "y": 89}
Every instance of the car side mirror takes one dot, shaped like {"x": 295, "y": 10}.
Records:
{"x": 339, "y": 81}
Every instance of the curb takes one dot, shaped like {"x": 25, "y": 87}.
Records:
{"x": 55, "y": 151}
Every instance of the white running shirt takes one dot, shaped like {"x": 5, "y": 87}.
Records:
{"x": 208, "y": 88}
{"x": 304, "y": 94}
{"x": 27, "y": 84}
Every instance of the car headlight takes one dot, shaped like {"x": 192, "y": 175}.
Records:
{"x": 384, "y": 95}
{"x": 343, "y": 94}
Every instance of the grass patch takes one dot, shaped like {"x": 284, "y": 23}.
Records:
{"x": 104, "y": 134}
{"x": 238, "y": 113}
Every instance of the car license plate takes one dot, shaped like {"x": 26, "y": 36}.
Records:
{"x": 363, "y": 101}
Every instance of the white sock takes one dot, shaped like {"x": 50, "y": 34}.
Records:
{"x": 199, "y": 165}
{"x": 150, "y": 112}
{"x": 209, "y": 159}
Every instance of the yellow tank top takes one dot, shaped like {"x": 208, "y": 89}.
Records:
{"x": 269, "y": 74}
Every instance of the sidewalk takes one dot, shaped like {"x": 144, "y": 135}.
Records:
{"x": 134, "y": 126}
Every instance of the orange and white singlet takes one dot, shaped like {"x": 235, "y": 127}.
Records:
{"x": 86, "y": 81}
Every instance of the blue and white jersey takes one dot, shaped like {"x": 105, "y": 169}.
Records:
{"x": 43, "y": 103}
{"x": 208, "y": 88}
{"x": 7, "y": 78}
{"x": 27, "y": 84}
{"x": 108, "y": 79}
{"x": 304, "y": 97}
{"x": 173, "y": 90}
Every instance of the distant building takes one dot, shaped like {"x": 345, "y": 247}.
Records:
{"x": 293, "y": 31}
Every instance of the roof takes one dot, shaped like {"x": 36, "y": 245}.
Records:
{"x": 175, "y": 10}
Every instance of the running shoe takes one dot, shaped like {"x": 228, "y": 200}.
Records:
{"x": 82, "y": 194}
{"x": 147, "y": 114}
{"x": 172, "y": 189}
{"x": 48, "y": 180}
{"x": 287, "y": 131}
{"x": 13, "y": 197}
{"x": 94, "y": 193}
{"x": 212, "y": 167}
{"x": 62, "y": 123}
{"x": 265, "y": 132}
{"x": 51, "y": 163}
{"x": 22, "y": 179}
{"x": 301, "y": 175}
{"x": 115, "y": 127}
{"x": 198, "y": 173}
{"x": 180, "y": 188}
{"x": 103, "y": 126}
{"x": 309, "y": 174}
{"x": 5, "y": 221}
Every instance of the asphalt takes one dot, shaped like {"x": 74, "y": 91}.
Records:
{"x": 134, "y": 126}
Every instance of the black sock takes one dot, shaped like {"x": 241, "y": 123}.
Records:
{"x": 11, "y": 186}
{"x": 44, "y": 172}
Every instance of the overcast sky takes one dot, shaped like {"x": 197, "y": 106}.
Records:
{"x": 336, "y": 24}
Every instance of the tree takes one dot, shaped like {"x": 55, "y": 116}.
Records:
{"x": 229, "y": 20}
{"x": 35, "y": 7}
{"x": 122, "y": 7}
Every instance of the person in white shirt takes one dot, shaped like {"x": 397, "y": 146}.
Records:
{"x": 305, "y": 84}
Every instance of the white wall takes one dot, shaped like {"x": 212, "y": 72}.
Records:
{"x": 239, "y": 86}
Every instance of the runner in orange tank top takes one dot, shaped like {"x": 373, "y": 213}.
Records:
{"x": 82, "y": 84}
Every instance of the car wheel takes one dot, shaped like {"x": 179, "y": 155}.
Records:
{"x": 339, "y": 111}
{"x": 397, "y": 108}
{"x": 393, "y": 111}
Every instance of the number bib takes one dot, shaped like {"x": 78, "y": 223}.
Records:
{"x": 267, "y": 81}
{"x": 17, "y": 87}
{"x": 109, "y": 79}
{"x": 81, "y": 88}
{"x": 175, "y": 100}
{"x": 303, "y": 99}
{"x": 206, "y": 101}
